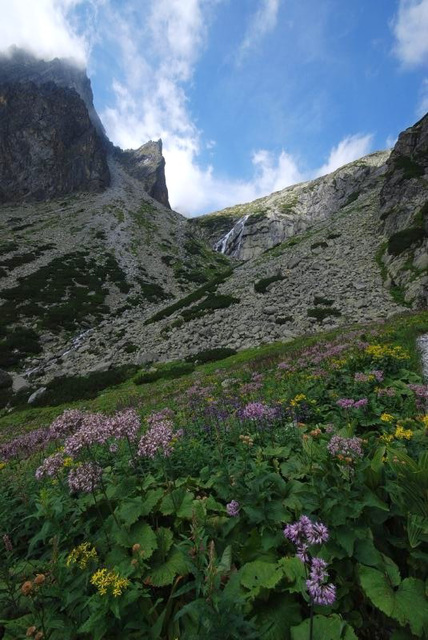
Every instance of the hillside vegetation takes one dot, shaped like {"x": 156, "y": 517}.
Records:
{"x": 280, "y": 494}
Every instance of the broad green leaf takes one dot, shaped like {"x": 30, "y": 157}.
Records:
{"x": 165, "y": 573}
{"x": 366, "y": 553}
{"x": 277, "y": 616}
{"x": 259, "y": 575}
{"x": 417, "y": 530}
{"x": 226, "y": 560}
{"x": 180, "y": 502}
{"x": 164, "y": 539}
{"x": 346, "y": 537}
{"x": 294, "y": 571}
{"x": 143, "y": 534}
{"x": 131, "y": 510}
{"x": 378, "y": 588}
{"x": 325, "y": 628}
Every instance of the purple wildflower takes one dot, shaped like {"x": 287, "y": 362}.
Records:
{"x": 50, "y": 466}
{"x": 84, "y": 478}
{"x": 345, "y": 403}
{"x": 258, "y": 411}
{"x": 345, "y": 447}
{"x": 7, "y": 543}
{"x": 360, "y": 403}
{"x": 303, "y": 533}
{"x": 158, "y": 439}
{"x": 233, "y": 508}
{"x": 361, "y": 377}
{"x": 379, "y": 375}
{"x": 124, "y": 424}
{"x": 318, "y": 533}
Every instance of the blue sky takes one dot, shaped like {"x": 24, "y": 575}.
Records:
{"x": 249, "y": 96}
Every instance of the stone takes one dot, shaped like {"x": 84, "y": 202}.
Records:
{"x": 37, "y": 395}
{"x": 421, "y": 262}
{"x": 105, "y": 365}
{"x": 6, "y": 380}
{"x": 19, "y": 384}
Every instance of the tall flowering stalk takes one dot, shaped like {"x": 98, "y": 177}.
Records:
{"x": 303, "y": 534}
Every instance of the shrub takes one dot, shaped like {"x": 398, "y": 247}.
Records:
{"x": 324, "y": 301}
{"x": 321, "y": 312}
{"x": 402, "y": 240}
{"x": 211, "y": 355}
{"x": 321, "y": 244}
{"x": 68, "y": 389}
{"x": 16, "y": 345}
{"x": 169, "y": 371}
{"x": 261, "y": 285}
{"x": 211, "y": 302}
{"x": 351, "y": 198}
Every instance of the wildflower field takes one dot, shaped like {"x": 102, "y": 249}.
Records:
{"x": 280, "y": 494}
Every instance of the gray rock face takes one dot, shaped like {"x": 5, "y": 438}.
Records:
{"x": 404, "y": 214}
{"x": 271, "y": 220}
{"x": 48, "y": 144}
{"x": 147, "y": 165}
{"x": 17, "y": 65}
{"x": 6, "y": 380}
{"x": 36, "y": 395}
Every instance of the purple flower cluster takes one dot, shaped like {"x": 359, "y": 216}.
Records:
{"x": 258, "y": 411}
{"x": 420, "y": 390}
{"x": 388, "y": 391}
{"x": 365, "y": 377}
{"x": 96, "y": 428}
{"x": 50, "y": 466}
{"x": 349, "y": 403}
{"x": 233, "y": 508}
{"x": 303, "y": 533}
{"x": 321, "y": 593}
{"x": 350, "y": 448}
{"x": 158, "y": 439}
{"x": 84, "y": 478}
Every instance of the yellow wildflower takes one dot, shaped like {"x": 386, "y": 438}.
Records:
{"x": 109, "y": 581}
{"x": 2, "y": 465}
{"x": 387, "y": 437}
{"x": 68, "y": 462}
{"x": 387, "y": 417}
{"x": 295, "y": 401}
{"x": 403, "y": 434}
{"x": 379, "y": 351}
{"x": 423, "y": 419}
{"x": 81, "y": 555}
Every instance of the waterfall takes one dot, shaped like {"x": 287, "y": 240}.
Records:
{"x": 230, "y": 244}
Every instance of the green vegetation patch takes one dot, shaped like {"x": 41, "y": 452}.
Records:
{"x": 324, "y": 301}
{"x": 261, "y": 285}
{"x": 256, "y": 217}
{"x": 196, "y": 295}
{"x": 64, "y": 293}
{"x": 211, "y": 303}
{"x": 410, "y": 168}
{"x": 403, "y": 240}
{"x": 351, "y": 198}
{"x": 321, "y": 244}
{"x": 323, "y": 312}
{"x": 169, "y": 371}
{"x": 17, "y": 344}
{"x": 71, "y": 388}
{"x": 211, "y": 355}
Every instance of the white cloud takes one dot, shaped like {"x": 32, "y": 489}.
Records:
{"x": 422, "y": 107}
{"x": 410, "y": 28}
{"x": 391, "y": 142}
{"x": 42, "y": 27}
{"x": 262, "y": 22}
{"x": 349, "y": 149}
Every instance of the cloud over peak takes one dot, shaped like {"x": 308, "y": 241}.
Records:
{"x": 410, "y": 28}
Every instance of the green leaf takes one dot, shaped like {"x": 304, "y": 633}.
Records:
{"x": 366, "y": 553}
{"x": 180, "y": 502}
{"x": 294, "y": 571}
{"x": 165, "y": 573}
{"x": 226, "y": 560}
{"x": 346, "y": 537}
{"x": 143, "y": 534}
{"x": 325, "y": 628}
{"x": 164, "y": 539}
{"x": 259, "y": 575}
{"x": 131, "y": 510}
{"x": 277, "y": 616}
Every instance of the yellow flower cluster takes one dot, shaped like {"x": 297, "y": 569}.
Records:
{"x": 295, "y": 401}
{"x": 109, "y": 581}
{"x": 387, "y": 417}
{"x": 423, "y": 419}
{"x": 81, "y": 555}
{"x": 2, "y": 465}
{"x": 387, "y": 438}
{"x": 379, "y": 351}
{"x": 68, "y": 462}
{"x": 403, "y": 434}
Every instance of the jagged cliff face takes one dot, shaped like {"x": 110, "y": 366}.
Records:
{"x": 53, "y": 102}
{"x": 48, "y": 144}
{"x": 404, "y": 215}
{"x": 147, "y": 165}
{"x": 245, "y": 231}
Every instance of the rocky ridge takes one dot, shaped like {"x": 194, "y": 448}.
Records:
{"x": 283, "y": 214}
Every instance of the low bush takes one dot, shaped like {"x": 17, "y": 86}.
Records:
{"x": 211, "y": 355}
{"x": 165, "y": 372}
{"x": 261, "y": 285}
{"x": 321, "y": 312}
{"x": 71, "y": 388}
{"x": 324, "y": 301}
{"x": 403, "y": 240}
{"x": 211, "y": 302}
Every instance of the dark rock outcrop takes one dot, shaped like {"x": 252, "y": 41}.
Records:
{"x": 404, "y": 215}
{"x": 17, "y": 65}
{"x": 147, "y": 165}
{"x": 48, "y": 145}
